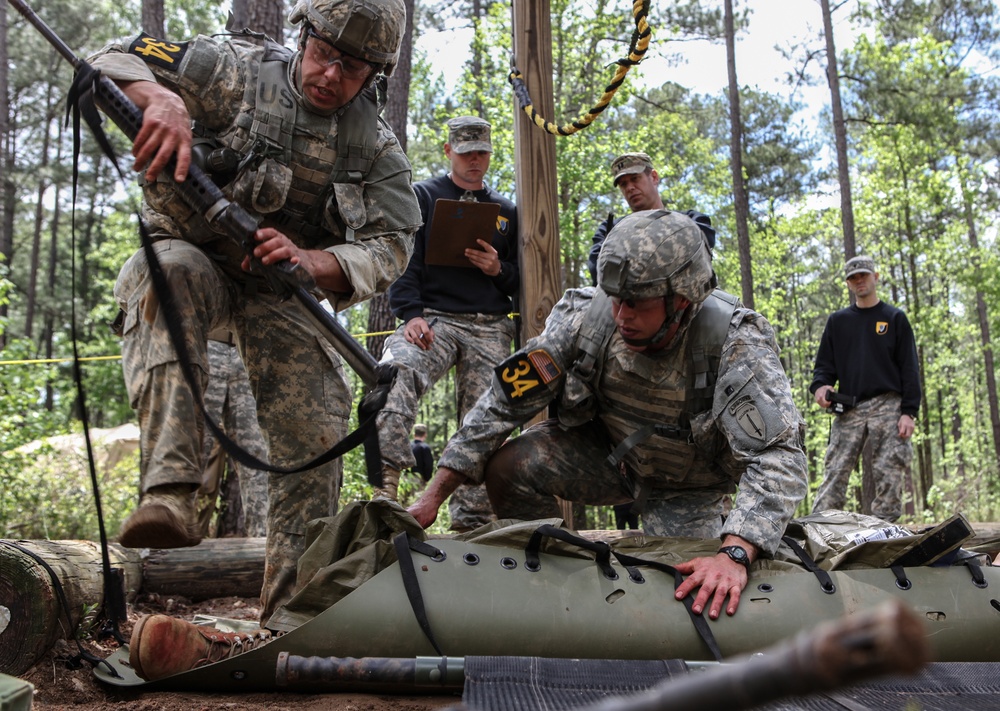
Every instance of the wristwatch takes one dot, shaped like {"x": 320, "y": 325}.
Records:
{"x": 739, "y": 554}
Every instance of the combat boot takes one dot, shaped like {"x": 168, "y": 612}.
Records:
{"x": 390, "y": 485}
{"x": 165, "y": 518}
{"x": 162, "y": 646}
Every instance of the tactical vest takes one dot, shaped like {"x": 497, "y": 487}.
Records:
{"x": 299, "y": 172}
{"x": 596, "y": 384}
{"x": 300, "y": 187}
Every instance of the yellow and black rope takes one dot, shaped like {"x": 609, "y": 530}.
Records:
{"x": 637, "y": 51}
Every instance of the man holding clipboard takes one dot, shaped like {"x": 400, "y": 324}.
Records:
{"x": 454, "y": 300}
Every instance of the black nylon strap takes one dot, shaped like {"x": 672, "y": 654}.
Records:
{"x": 825, "y": 581}
{"x": 631, "y": 563}
{"x": 403, "y": 543}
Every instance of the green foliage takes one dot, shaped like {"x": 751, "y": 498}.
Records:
{"x": 921, "y": 104}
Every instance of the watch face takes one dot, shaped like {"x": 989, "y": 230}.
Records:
{"x": 736, "y": 553}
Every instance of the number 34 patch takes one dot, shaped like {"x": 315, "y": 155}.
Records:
{"x": 522, "y": 373}
{"x": 167, "y": 55}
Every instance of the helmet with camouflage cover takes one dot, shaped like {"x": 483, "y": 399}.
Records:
{"x": 656, "y": 253}
{"x": 368, "y": 29}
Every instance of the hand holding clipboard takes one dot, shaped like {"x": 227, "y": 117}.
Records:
{"x": 456, "y": 226}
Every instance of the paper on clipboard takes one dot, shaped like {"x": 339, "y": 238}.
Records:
{"x": 456, "y": 227}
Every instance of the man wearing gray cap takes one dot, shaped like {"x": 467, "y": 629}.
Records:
{"x": 453, "y": 316}
{"x": 869, "y": 352}
{"x": 633, "y": 174}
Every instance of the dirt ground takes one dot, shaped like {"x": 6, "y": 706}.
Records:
{"x": 58, "y": 687}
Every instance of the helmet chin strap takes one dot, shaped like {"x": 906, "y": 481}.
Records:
{"x": 661, "y": 333}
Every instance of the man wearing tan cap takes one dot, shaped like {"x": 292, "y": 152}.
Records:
{"x": 453, "y": 316}
{"x": 869, "y": 353}
{"x": 633, "y": 174}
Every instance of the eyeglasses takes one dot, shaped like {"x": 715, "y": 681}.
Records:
{"x": 637, "y": 304}
{"x": 326, "y": 54}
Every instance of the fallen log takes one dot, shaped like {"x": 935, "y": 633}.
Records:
{"x": 32, "y": 618}
{"x": 31, "y": 615}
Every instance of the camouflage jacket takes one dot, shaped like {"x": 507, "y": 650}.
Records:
{"x": 369, "y": 226}
{"x": 749, "y": 438}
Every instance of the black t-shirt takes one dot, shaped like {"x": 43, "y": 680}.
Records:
{"x": 866, "y": 352}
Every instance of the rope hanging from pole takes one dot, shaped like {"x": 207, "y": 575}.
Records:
{"x": 637, "y": 51}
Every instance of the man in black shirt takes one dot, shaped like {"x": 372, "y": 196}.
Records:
{"x": 422, "y": 454}
{"x": 453, "y": 316}
{"x": 869, "y": 351}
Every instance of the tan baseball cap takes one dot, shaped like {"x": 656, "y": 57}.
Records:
{"x": 630, "y": 163}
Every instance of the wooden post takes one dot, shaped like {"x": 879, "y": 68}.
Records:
{"x": 535, "y": 169}
{"x": 535, "y": 175}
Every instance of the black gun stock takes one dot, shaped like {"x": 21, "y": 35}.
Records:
{"x": 200, "y": 193}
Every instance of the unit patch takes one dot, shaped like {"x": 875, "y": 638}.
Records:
{"x": 523, "y": 373}
{"x": 745, "y": 411}
{"x": 167, "y": 55}
{"x": 503, "y": 225}
{"x": 881, "y": 327}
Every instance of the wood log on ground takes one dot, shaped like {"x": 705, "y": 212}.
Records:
{"x": 31, "y": 615}
{"x": 216, "y": 567}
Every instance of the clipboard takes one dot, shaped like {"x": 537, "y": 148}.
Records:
{"x": 456, "y": 226}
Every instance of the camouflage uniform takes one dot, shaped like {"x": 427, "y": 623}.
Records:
{"x": 474, "y": 344}
{"x": 747, "y": 433}
{"x": 876, "y": 420}
{"x": 298, "y": 381}
{"x": 469, "y": 312}
{"x": 230, "y": 404}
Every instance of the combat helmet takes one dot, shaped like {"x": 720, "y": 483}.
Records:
{"x": 368, "y": 29}
{"x": 656, "y": 253}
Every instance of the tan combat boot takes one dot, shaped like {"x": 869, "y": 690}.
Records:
{"x": 390, "y": 485}
{"x": 165, "y": 518}
{"x": 163, "y": 646}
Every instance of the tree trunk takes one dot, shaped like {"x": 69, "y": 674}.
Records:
{"x": 380, "y": 318}
{"x": 153, "y": 20}
{"x": 7, "y": 192}
{"x": 740, "y": 199}
{"x": 839, "y": 135}
{"x": 260, "y": 16}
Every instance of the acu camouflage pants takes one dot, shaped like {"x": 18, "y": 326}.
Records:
{"x": 302, "y": 394}
{"x": 473, "y": 344}
{"x": 875, "y": 420}
{"x": 546, "y": 461}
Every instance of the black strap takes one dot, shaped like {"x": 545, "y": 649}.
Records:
{"x": 976, "y": 570}
{"x": 825, "y": 581}
{"x": 600, "y": 549}
{"x": 631, "y": 563}
{"x": 80, "y": 103}
{"x": 404, "y": 543}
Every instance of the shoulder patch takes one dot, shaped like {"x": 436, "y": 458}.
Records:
{"x": 522, "y": 373}
{"x": 167, "y": 55}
